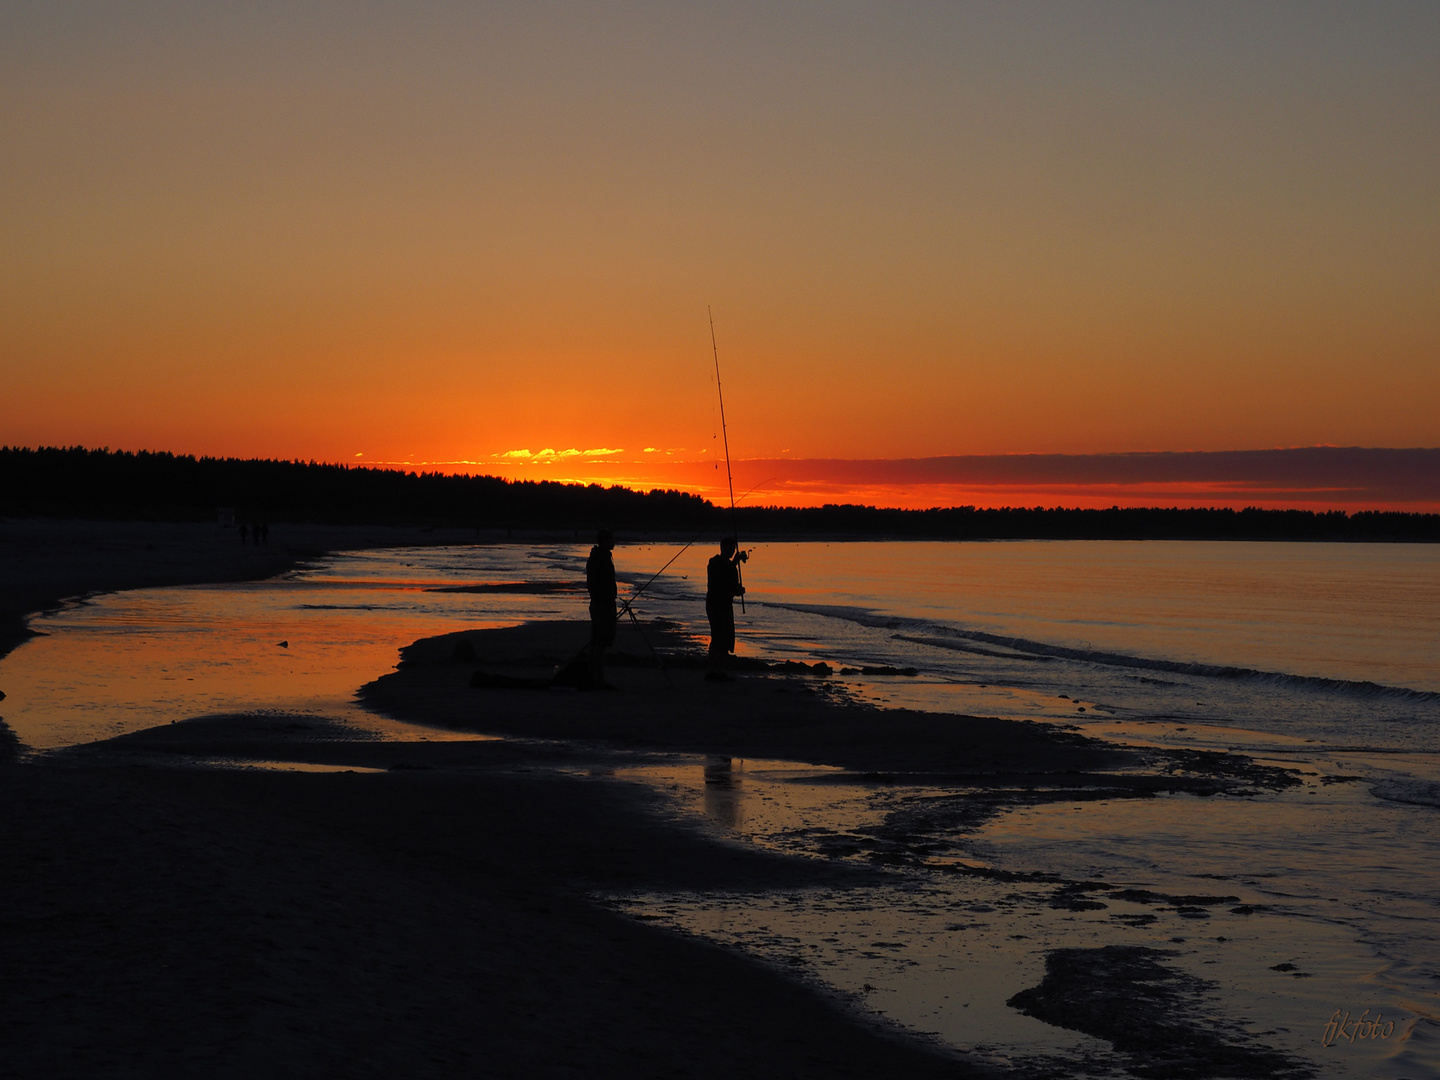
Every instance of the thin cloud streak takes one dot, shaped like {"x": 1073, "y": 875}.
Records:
{"x": 1345, "y": 473}
{"x": 1303, "y": 477}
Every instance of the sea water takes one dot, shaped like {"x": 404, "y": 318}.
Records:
{"x": 1320, "y": 658}
{"x": 302, "y": 642}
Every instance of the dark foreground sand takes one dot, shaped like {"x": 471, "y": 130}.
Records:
{"x": 431, "y": 918}
{"x": 416, "y": 923}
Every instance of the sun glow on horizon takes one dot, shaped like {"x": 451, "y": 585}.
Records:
{"x": 1295, "y": 478}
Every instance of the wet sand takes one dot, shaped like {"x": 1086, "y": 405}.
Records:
{"x": 421, "y": 922}
{"x": 428, "y": 919}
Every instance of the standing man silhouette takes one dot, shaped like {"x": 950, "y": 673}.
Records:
{"x": 600, "y": 580}
{"x": 722, "y": 585}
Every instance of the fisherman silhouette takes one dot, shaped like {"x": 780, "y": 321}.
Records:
{"x": 600, "y": 580}
{"x": 722, "y": 585}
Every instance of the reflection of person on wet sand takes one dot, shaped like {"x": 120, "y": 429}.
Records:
{"x": 722, "y": 792}
{"x": 600, "y": 580}
{"x": 722, "y": 576}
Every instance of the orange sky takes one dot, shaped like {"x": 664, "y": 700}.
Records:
{"x": 1307, "y": 478}
{"x": 435, "y": 234}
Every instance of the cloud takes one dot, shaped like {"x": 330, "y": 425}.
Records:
{"x": 1312, "y": 474}
{"x": 551, "y": 454}
{"x": 1316, "y": 477}
{"x": 1391, "y": 473}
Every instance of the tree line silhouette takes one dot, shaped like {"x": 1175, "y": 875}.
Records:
{"x": 161, "y": 486}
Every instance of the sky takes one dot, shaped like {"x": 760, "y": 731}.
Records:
{"x": 489, "y": 238}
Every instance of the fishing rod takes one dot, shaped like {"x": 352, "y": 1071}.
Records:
{"x": 729, "y": 478}
{"x": 624, "y": 604}
{"x": 659, "y": 662}
{"x": 626, "y": 607}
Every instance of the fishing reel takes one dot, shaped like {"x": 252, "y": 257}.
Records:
{"x": 742, "y": 556}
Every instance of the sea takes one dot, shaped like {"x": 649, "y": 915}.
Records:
{"x": 1312, "y": 925}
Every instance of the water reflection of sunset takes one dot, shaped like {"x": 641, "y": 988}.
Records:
{"x": 301, "y": 644}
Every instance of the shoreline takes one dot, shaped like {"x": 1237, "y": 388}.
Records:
{"x": 558, "y": 835}
{"x": 47, "y": 561}
{"x": 563, "y": 834}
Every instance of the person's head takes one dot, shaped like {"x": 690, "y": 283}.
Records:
{"x": 605, "y": 539}
{"x": 727, "y": 546}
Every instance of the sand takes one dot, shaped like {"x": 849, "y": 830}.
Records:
{"x": 432, "y": 912}
{"x": 428, "y": 919}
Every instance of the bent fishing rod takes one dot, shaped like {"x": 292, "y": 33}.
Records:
{"x": 729, "y": 478}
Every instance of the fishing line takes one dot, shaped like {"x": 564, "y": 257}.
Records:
{"x": 689, "y": 544}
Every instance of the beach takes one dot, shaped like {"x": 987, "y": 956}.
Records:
{"x": 428, "y": 919}
{"x": 1009, "y": 449}
{"x": 469, "y": 868}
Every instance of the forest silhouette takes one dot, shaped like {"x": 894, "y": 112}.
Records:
{"x": 101, "y": 484}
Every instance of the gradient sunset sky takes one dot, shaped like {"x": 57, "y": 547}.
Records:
{"x": 468, "y": 234}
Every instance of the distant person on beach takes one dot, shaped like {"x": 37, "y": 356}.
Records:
{"x": 244, "y": 534}
{"x": 600, "y": 580}
{"x": 722, "y": 585}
